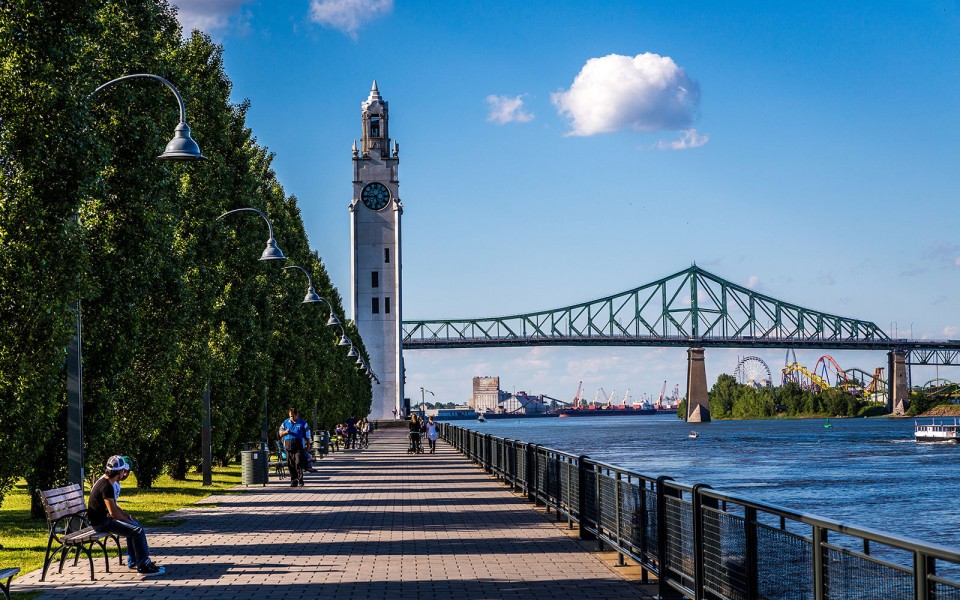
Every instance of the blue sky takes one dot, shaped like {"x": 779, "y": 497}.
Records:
{"x": 556, "y": 152}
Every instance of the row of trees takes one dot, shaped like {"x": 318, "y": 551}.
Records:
{"x": 731, "y": 400}
{"x": 171, "y": 298}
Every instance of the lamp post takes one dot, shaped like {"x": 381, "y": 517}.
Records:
{"x": 271, "y": 252}
{"x": 423, "y": 404}
{"x": 181, "y": 148}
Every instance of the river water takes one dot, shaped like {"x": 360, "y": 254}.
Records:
{"x": 865, "y": 472}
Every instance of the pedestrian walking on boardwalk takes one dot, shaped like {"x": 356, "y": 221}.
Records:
{"x": 294, "y": 432}
{"x": 432, "y": 434}
{"x": 415, "y": 435}
{"x": 352, "y": 432}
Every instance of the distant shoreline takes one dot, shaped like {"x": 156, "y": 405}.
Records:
{"x": 943, "y": 410}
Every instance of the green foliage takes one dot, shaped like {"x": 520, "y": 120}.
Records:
{"x": 730, "y": 400}
{"x": 171, "y": 297}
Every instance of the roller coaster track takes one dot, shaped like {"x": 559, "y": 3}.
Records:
{"x": 689, "y": 308}
{"x": 794, "y": 371}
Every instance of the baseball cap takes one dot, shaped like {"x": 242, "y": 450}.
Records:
{"x": 116, "y": 463}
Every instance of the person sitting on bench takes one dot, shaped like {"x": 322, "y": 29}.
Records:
{"x": 106, "y": 516}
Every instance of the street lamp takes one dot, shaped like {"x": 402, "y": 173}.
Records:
{"x": 271, "y": 252}
{"x": 423, "y": 404}
{"x": 311, "y": 297}
{"x": 181, "y": 148}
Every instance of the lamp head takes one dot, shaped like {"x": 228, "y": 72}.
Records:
{"x": 311, "y": 296}
{"x": 272, "y": 252}
{"x": 333, "y": 321}
{"x": 345, "y": 341}
{"x": 182, "y": 147}
{"x": 353, "y": 352}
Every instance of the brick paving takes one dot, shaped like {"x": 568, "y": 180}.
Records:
{"x": 369, "y": 524}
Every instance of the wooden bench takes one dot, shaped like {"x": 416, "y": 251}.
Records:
{"x": 70, "y": 530}
{"x": 7, "y": 574}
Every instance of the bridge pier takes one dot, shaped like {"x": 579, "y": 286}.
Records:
{"x": 898, "y": 392}
{"x": 698, "y": 404}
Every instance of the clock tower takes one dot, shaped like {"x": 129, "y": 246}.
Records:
{"x": 375, "y": 261}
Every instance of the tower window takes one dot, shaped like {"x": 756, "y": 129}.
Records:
{"x": 375, "y": 279}
{"x": 386, "y": 305}
{"x": 375, "y": 306}
{"x": 386, "y": 255}
{"x": 375, "y": 126}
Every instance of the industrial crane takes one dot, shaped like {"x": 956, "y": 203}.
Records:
{"x": 663, "y": 390}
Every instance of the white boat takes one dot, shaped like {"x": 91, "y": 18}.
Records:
{"x": 693, "y": 434}
{"x": 937, "y": 432}
{"x": 481, "y": 419}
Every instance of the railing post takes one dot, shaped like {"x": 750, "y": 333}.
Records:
{"x": 698, "y": 540}
{"x": 664, "y": 591}
{"x": 596, "y": 476}
{"x": 923, "y": 567}
{"x": 582, "y": 497}
{"x": 751, "y": 558}
{"x": 568, "y": 502}
{"x": 618, "y": 505}
{"x": 819, "y": 566}
{"x": 531, "y": 471}
{"x": 644, "y": 575}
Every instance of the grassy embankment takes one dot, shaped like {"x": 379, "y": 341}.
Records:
{"x": 24, "y": 540}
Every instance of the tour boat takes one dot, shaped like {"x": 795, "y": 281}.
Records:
{"x": 937, "y": 432}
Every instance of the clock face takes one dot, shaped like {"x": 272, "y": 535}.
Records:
{"x": 375, "y": 196}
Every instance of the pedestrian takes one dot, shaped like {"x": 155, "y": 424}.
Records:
{"x": 131, "y": 562}
{"x": 365, "y": 432}
{"x": 414, "y": 435}
{"x": 294, "y": 432}
{"x": 106, "y": 517}
{"x": 432, "y": 434}
{"x": 352, "y": 432}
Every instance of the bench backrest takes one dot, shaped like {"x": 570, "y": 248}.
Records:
{"x": 63, "y": 501}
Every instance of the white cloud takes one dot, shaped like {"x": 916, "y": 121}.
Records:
{"x": 689, "y": 138}
{"x": 647, "y": 92}
{"x": 956, "y": 261}
{"x": 951, "y": 332}
{"x": 752, "y": 282}
{"x": 207, "y": 15}
{"x": 348, "y": 15}
{"x": 507, "y": 109}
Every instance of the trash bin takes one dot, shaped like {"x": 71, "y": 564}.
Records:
{"x": 254, "y": 466}
{"x": 323, "y": 443}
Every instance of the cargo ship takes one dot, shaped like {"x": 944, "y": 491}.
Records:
{"x": 607, "y": 411}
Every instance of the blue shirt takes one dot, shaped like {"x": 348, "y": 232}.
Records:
{"x": 297, "y": 429}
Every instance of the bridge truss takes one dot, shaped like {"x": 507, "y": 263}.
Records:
{"x": 689, "y": 308}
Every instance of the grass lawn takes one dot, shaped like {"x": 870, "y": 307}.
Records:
{"x": 24, "y": 540}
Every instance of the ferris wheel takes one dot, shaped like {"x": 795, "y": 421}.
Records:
{"x": 752, "y": 370}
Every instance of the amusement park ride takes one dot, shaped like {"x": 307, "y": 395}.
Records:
{"x": 827, "y": 374}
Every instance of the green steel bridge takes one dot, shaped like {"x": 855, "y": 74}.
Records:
{"x": 691, "y": 308}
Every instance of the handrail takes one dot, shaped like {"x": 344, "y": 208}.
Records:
{"x": 701, "y": 542}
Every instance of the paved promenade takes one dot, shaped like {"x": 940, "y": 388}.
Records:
{"x": 369, "y": 524}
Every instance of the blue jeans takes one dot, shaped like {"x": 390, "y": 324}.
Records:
{"x": 138, "y": 553}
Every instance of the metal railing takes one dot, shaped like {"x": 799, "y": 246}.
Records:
{"x": 705, "y": 544}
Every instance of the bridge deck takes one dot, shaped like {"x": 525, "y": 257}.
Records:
{"x": 375, "y": 523}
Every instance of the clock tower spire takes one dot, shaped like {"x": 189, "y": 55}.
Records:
{"x": 375, "y": 213}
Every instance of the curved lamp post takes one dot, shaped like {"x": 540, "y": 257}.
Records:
{"x": 180, "y": 148}
{"x": 311, "y": 297}
{"x": 423, "y": 404}
{"x": 271, "y": 252}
